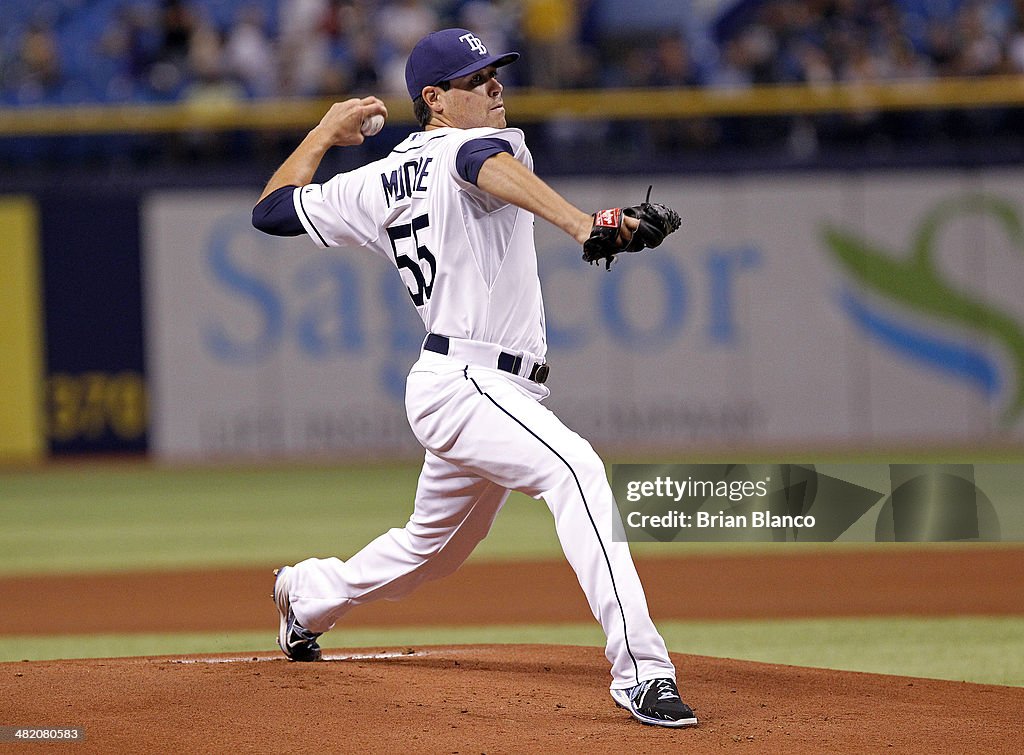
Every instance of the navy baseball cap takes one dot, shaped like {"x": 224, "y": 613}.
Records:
{"x": 446, "y": 55}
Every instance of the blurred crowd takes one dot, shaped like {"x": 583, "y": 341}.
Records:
{"x": 158, "y": 50}
{"x": 211, "y": 51}
{"x": 144, "y": 50}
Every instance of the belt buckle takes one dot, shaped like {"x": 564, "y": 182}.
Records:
{"x": 540, "y": 373}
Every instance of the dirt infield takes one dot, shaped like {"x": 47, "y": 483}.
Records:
{"x": 859, "y": 583}
{"x": 495, "y": 699}
{"x": 511, "y": 698}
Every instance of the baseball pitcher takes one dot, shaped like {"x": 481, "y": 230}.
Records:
{"x": 452, "y": 208}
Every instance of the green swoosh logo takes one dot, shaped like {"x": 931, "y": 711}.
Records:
{"x": 916, "y": 282}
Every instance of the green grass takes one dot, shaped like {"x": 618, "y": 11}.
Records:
{"x": 131, "y": 517}
{"x": 989, "y": 650}
{"x": 136, "y": 517}
{"x": 984, "y": 650}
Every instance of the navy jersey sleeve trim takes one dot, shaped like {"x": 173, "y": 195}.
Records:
{"x": 275, "y": 214}
{"x": 473, "y": 153}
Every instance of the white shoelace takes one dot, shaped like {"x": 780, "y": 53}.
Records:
{"x": 664, "y": 689}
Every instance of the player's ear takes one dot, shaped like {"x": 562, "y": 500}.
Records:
{"x": 431, "y": 95}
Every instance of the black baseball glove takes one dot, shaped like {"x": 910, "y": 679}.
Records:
{"x": 656, "y": 222}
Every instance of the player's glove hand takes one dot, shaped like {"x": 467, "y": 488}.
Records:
{"x": 607, "y": 238}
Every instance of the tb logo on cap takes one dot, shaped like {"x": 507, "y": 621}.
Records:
{"x": 474, "y": 43}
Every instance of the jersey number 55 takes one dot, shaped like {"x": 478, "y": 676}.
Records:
{"x": 398, "y": 234}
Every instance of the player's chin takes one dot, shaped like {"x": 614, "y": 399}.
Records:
{"x": 496, "y": 118}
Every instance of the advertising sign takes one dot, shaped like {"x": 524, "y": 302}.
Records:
{"x": 788, "y": 311}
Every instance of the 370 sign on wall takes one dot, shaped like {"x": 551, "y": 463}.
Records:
{"x": 88, "y": 406}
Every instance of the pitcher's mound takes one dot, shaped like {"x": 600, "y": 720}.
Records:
{"x": 492, "y": 698}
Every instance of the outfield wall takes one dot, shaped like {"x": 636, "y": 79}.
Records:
{"x": 827, "y": 309}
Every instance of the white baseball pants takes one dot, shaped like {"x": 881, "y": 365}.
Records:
{"x": 486, "y": 434}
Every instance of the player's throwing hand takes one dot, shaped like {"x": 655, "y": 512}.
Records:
{"x": 340, "y": 127}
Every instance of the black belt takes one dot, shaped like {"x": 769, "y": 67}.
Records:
{"x": 506, "y": 362}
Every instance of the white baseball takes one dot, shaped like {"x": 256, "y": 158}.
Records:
{"x": 372, "y": 124}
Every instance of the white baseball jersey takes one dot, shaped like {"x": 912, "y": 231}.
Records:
{"x": 467, "y": 258}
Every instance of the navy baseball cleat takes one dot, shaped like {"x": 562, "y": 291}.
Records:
{"x": 295, "y": 641}
{"x": 656, "y": 702}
